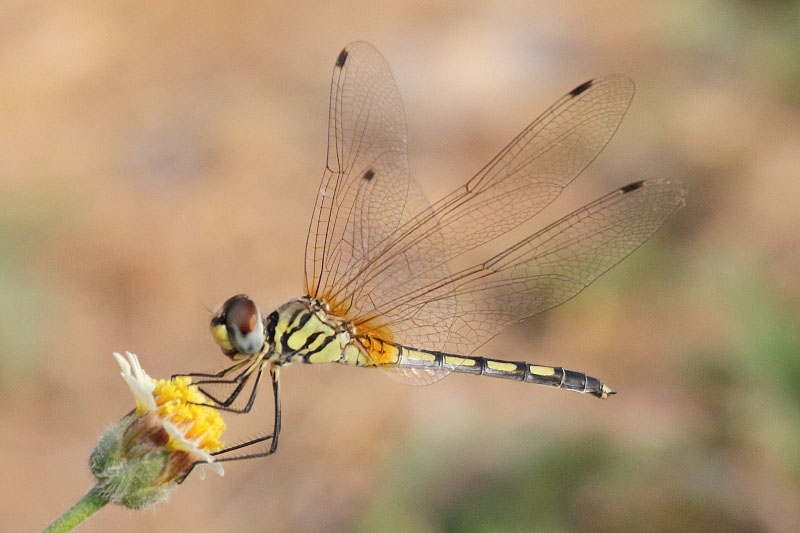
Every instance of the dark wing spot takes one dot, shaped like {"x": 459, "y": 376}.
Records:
{"x": 632, "y": 186}
{"x": 342, "y": 57}
{"x": 580, "y": 88}
{"x": 368, "y": 175}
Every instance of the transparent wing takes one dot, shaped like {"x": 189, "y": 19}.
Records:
{"x": 544, "y": 270}
{"x": 377, "y": 253}
{"x": 365, "y": 184}
{"x": 366, "y": 194}
{"x": 525, "y": 177}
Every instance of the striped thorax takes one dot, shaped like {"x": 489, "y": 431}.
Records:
{"x": 299, "y": 331}
{"x": 305, "y": 332}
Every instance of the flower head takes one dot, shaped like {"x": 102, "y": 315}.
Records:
{"x": 140, "y": 459}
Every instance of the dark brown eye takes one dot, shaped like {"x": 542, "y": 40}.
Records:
{"x": 244, "y": 324}
{"x": 243, "y": 314}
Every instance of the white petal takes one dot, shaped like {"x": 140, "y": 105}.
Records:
{"x": 193, "y": 448}
{"x": 123, "y": 364}
{"x": 182, "y": 443}
{"x": 138, "y": 371}
{"x": 141, "y": 385}
{"x": 217, "y": 467}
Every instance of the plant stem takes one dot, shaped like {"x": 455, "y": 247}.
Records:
{"x": 78, "y": 512}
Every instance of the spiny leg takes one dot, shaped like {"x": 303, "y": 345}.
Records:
{"x": 221, "y": 374}
{"x": 241, "y": 380}
{"x": 276, "y": 430}
{"x": 215, "y": 380}
{"x": 274, "y": 374}
{"x": 225, "y": 405}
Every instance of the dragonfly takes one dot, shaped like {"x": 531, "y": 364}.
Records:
{"x": 380, "y": 288}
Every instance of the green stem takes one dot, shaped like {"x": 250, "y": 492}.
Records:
{"x": 78, "y": 512}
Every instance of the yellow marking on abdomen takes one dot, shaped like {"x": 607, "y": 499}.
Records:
{"x": 542, "y": 370}
{"x": 458, "y": 361}
{"x": 501, "y": 366}
{"x": 419, "y": 356}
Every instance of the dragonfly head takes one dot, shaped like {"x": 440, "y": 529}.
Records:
{"x": 238, "y": 328}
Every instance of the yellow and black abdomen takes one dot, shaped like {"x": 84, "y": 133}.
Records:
{"x": 515, "y": 370}
{"x": 396, "y": 355}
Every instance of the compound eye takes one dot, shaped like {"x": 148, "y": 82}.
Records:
{"x": 244, "y": 325}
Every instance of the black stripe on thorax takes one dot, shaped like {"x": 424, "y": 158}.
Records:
{"x": 294, "y": 317}
{"x": 300, "y": 323}
{"x": 285, "y": 349}
{"x": 288, "y": 332}
{"x": 311, "y": 338}
{"x": 285, "y": 343}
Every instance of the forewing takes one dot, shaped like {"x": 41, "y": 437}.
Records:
{"x": 366, "y": 194}
{"x": 365, "y": 182}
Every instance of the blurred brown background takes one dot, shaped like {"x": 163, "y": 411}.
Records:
{"x": 156, "y": 158}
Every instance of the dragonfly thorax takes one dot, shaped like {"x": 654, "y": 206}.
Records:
{"x": 299, "y": 330}
{"x": 305, "y": 331}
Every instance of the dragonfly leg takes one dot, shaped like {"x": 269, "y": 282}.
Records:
{"x": 241, "y": 380}
{"x": 224, "y": 405}
{"x": 221, "y": 374}
{"x": 273, "y": 437}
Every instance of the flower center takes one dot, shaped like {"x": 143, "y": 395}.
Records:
{"x": 177, "y": 401}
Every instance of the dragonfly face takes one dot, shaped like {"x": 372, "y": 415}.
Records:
{"x": 238, "y": 328}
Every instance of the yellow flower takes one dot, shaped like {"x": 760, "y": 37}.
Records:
{"x": 192, "y": 428}
{"x": 139, "y": 460}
